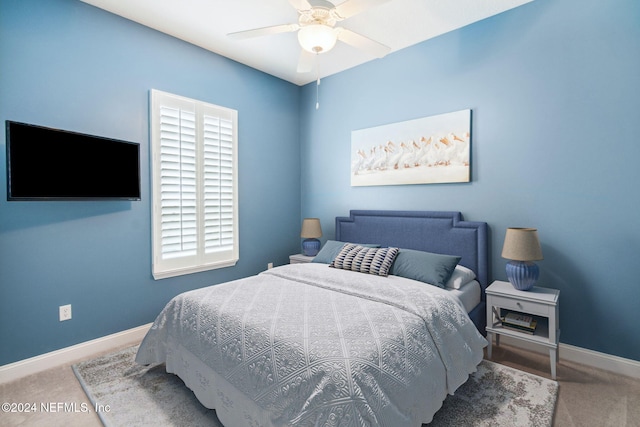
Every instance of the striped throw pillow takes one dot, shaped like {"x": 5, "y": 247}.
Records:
{"x": 365, "y": 260}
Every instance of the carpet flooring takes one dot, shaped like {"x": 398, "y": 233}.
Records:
{"x": 127, "y": 394}
{"x": 587, "y": 396}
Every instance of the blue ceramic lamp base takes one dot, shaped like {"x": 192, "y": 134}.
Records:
{"x": 522, "y": 274}
{"x": 310, "y": 247}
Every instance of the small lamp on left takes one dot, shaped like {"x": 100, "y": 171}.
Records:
{"x": 311, "y": 230}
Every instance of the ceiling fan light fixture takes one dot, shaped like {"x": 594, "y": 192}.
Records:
{"x": 317, "y": 38}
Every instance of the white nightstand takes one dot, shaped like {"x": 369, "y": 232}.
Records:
{"x": 542, "y": 303}
{"x": 299, "y": 259}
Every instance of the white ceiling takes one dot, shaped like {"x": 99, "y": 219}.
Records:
{"x": 206, "y": 23}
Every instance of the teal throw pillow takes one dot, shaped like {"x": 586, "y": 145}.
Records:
{"x": 427, "y": 267}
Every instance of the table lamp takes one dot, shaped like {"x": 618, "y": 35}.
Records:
{"x": 311, "y": 230}
{"x": 521, "y": 246}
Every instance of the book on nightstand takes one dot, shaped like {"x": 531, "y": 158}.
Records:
{"x": 517, "y": 322}
{"x": 518, "y": 319}
{"x": 526, "y": 329}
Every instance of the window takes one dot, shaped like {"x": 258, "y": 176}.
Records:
{"x": 194, "y": 178}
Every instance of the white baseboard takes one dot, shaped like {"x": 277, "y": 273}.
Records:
{"x": 594, "y": 359}
{"x": 22, "y": 368}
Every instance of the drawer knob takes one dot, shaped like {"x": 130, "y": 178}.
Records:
{"x": 519, "y": 305}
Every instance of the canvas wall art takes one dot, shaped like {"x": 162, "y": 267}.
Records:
{"x": 428, "y": 150}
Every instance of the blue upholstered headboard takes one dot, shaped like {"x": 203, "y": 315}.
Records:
{"x": 431, "y": 231}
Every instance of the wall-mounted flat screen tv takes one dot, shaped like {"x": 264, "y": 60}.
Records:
{"x": 53, "y": 164}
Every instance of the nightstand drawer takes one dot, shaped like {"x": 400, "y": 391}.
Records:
{"x": 529, "y": 307}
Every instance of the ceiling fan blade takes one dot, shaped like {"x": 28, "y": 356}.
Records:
{"x": 305, "y": 62}
{"x": 264, "y": 31}
{"x": 363, "y": 43}
{"x": 352, "y": 7}
{"x": 300, "y": 4}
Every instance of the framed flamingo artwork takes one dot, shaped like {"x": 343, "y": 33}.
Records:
{"x": 429, "y": 150}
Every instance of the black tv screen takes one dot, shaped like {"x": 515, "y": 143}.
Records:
{"x": 53, "y": 164}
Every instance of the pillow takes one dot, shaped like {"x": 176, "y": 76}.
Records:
{"x": 331, "y": 249}
{"x": 461, "y": 276}
{"x": 364, "y": 259}
{"x": 434, "y": 269}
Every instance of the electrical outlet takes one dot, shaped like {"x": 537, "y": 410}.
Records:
{"x": 269, "y": 266}
{"x": 65, "y": 312}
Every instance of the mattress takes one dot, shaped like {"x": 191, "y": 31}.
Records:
{"x": 469, "y": 294}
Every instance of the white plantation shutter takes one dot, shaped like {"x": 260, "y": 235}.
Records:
{"x": 178, "y": 190}
{"x": 194, "y": 166}
{"x": 218, "y": 184}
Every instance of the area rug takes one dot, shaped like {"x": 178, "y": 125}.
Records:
{"x": 127, "y": 394}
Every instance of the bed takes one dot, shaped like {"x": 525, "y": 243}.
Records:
{"x": 320, "y": 344}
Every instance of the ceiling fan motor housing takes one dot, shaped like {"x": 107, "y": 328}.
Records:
{"x": 316, "y": 34}
{"x": 317, "y": 15}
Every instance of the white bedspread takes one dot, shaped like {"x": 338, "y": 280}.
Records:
{"x": 309, "y": 345}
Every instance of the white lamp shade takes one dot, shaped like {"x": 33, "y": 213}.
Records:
{"x": 311, "y": 228}
{"x": 317, "y": 38}
{"x": 522, "y": 244}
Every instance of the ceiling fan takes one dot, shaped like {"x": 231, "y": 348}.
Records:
{"x": 317, "y": 32}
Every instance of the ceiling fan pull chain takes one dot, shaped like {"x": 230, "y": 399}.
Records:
{"x": 317, "y": 82}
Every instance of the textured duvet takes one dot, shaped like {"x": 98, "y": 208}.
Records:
{"x": 309, "y": 345}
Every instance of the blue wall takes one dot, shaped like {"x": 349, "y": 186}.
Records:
{"x": 555, "y": 95}
{"x": 555, "y": 91}
{"x": 69, "y": 65}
